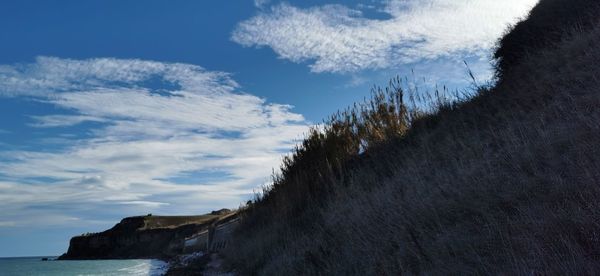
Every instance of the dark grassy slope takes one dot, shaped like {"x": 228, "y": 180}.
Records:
{"x": 508, "y": 181}
{"x": 548, "y": 24}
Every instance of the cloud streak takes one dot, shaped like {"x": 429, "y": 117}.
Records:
{"x": 160, "y": 130}
{"x": 336, "y": 38}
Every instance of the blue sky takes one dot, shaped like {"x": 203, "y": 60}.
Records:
{"x": 120, "y": 108}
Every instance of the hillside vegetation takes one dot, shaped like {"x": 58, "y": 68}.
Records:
{"x": 506, "y": 181}
{"x": 157, "y": 222}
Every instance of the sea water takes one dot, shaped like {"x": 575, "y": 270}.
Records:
{"x": 35, "y": 266}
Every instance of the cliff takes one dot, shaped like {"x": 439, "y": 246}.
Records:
{"x": 157, "y": 237}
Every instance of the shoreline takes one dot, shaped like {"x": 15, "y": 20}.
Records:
{"x": 34, "y": 265}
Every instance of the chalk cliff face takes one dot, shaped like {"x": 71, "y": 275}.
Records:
{"x": 132, "y": 238}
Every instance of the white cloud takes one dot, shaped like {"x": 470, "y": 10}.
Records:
{"x": 147, "y": 138}
{"x": 7, "y": 223}
{"x": 261, "y": 3}
{"x": 335, "y": 38}
{"x": 63, "y": 120}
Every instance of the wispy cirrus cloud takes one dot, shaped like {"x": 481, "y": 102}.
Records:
{"x": 336, "y": 38}
{"x": 168, "y": 138}
{"x": 261, "y": 3}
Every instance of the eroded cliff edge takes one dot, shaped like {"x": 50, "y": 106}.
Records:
{"x": 144, "y": 237}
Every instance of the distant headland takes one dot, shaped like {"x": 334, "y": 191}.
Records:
{"x": 153, "y": 237}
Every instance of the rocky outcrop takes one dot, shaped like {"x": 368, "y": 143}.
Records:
{"x": 130, "y": 238}
{"x": 214, "y": 239}
{"x": 221, "y": 212}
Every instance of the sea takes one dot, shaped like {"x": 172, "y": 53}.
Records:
{"x": 35, "y": 266}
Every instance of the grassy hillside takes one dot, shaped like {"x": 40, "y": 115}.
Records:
{"x": 507, "y": 181}
{"x": 549, "y": 23}
{"x": 161, "y": 222}
{"x": 158, "y": 222}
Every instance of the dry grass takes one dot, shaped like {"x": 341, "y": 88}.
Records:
{"x": 507, "y": 182}
{"x": 156, "y": 222}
